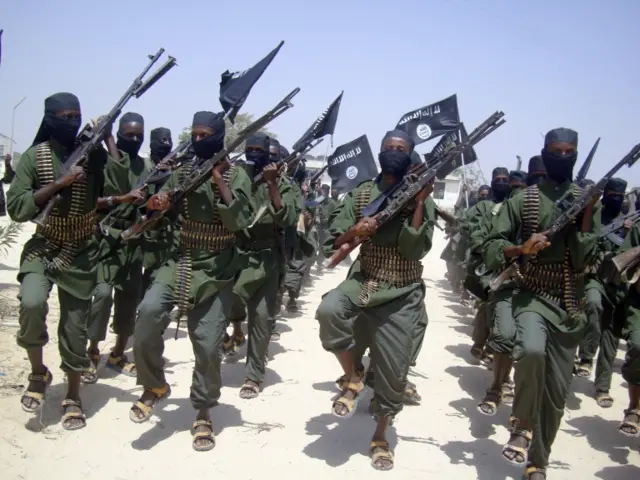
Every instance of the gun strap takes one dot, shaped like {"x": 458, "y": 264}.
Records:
{"x": 64, "y": 234}
{"x": 212, "y": 234}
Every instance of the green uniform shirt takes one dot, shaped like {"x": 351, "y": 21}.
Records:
{"x": 412, "y": 244}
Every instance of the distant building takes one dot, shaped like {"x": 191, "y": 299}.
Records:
{"x": 446, "y": 192}
{"x": 5, "y": 145}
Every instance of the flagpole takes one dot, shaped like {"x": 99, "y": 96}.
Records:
{"x": 13, "y": 123}
{"x": 464, "y": 180}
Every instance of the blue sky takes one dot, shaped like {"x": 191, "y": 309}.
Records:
{"x": 545, "y": 63}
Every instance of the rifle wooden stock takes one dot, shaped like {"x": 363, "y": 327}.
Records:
{"x": 627, "y": 264}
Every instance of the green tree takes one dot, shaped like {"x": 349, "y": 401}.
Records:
{"x": 243, "y": 120}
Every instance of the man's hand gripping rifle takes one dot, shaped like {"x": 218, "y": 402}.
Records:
{"x": 90, "y": 137}
{"x": 566, "y": 218}
{"x": 202, "y": 173}
{"x": 406, "y": 190}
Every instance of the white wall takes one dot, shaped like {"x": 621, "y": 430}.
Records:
{"x": 446, "y": 192}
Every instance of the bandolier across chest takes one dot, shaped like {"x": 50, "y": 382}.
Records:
{"x": 383, "y": 265}
{"x": 556, "y": 282}
{"x": 64, "y": 234}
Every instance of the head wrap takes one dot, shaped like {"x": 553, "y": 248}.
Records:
{"x": 258, "y": 158}
{"x": 160, "y": 142}
{"x": 207, "y": 147}
{"x": 274, "y": 144}
{"x": 52, "y": 126}
{"x": 398, "y": 134}
{"x": 536, "y": 165}
{"x": 616, "y": 185}
{"x": 500, "y": 172}
{"x": 284, "y": 153}
{"x": 561, "y": 135}
{"x": 484, "y": 187}
{"x": 161, "y": 134}
{"x": 517, "y": 175}
{"x": 131, "y": 117}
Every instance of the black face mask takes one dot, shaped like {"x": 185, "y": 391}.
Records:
{"x": 130, "y": 146}
{"x": 208, "y": 147}
{"x": 612, "y": 205}
{"x": 500, "y": 190}
{"x": 559, "y": 167}
{"x": 258, "y": 160}
{"x": 160, "y": 149}
{"x": 63, "y": 130}
{"x": 394, "y": 162}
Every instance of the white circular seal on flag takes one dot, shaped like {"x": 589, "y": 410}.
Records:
{"x": 423, "y": 131}
{"x": 352, "y": 172}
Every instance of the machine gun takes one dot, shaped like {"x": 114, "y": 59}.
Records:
{"x": 568, "y": 217}
{"x": 172, "y": 161}
{"x": 399, "y": 197}
{"x": 90, "y": 137}
{"x": 202, "y": 172}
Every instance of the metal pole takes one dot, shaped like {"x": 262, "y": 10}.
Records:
{"x": 13, "y": 122}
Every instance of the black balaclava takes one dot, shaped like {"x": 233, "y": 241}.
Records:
{"x": 536, "y": 170}
{"x": 209, "y": 146}
{"x": 395, "y": 162}
{"x": 130, "y": 145}
{"x": 612, "y": 204}
{"x": 484, "y": 196}
{"x": 275, "y": 154}
{"x": 517, "y": 179}
{"x": 559, "y": 166}
{"x": 284, "y": 153}
{"x": 63, "y": 131}
{"x": 160, "y": 143}
{"x": 257, "y": 159}
{"x": 500, "y": 188}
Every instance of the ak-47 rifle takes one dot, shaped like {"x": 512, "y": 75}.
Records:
{"x": 519, "y": 164}
{"x": 316, "y": 176}
{"x": 618, "y": 224}
{"x": 158, "y": 174}
{"x": 567, "y": 217}
{"x": 202, "y": 172}
{"x": 90, "y": 137}
{"x": 405, "y": 191}
{"x": 292, "y": 158}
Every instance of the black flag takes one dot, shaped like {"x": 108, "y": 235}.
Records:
{"x": 325, "y": 124}
{"x": 235, "y": 87}
{"x": 431, "y": 121}
{"x": 351, "y": 164}
{"x": 1, "y": 45}
{"x": 447, "y": 142}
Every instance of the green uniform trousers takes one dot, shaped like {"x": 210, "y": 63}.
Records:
{"x": 503, "y": 328}
{"x": 601, "y": 333}
{"x": 482, "y": 323}
{"x": 125, "y": 301}
{"x": 391, "y": 328}
{"x": 293, "y": 279}
{"x": 72, "y": 328}
{"x": 260, "y": 323}
{"x": 206, "y": 323}
{"x": 543, "y": 373}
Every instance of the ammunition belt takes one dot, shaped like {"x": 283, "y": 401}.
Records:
{"x": 64, "y": 234}
{"x": 210, "y": 236}
{"x": 362, "y": 200}
{"x": 531, "y": 214}
{"x": 205, "y": 236}
{"x": 385, "y": 265}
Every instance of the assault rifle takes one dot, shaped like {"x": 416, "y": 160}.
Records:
{"x": 90, "y": 137}
{"x": 400, "y": 196}
{"x": 616, "y": 225}
{"x": 202, "y": 172}
{"x": 292, "y": 158}
{"x": 519, "y": 164}
{"x": 568, "y": 216}
{"x": 160, "y": 172}
{"x": 584, "y": 169}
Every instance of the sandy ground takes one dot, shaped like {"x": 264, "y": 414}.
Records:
{"x": 288, "y": 431}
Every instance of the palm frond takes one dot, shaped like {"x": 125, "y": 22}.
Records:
{"x": 9, "y": 235}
